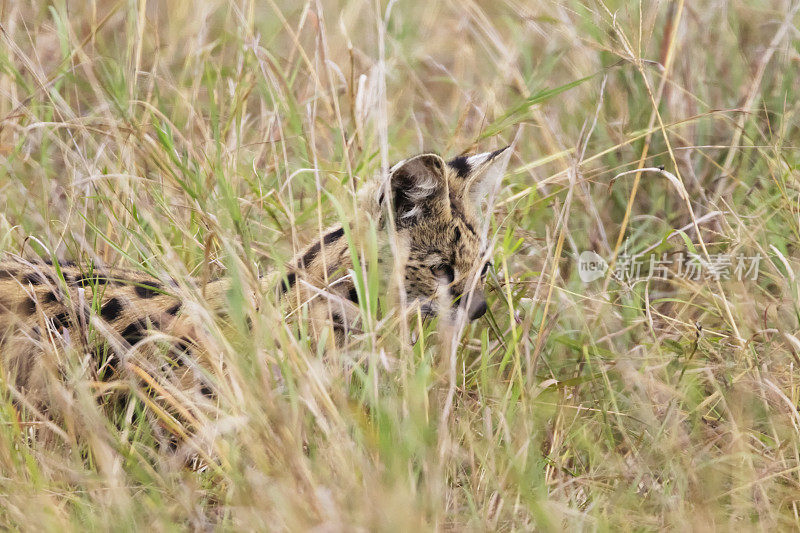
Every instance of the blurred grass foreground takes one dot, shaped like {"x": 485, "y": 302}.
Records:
{"x": 638, "y": 367}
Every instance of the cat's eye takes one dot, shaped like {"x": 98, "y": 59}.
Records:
{"x": 444, "y": 271}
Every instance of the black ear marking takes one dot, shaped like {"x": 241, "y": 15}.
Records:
{"x": 461, "y": 165}
{"x": 498, "y": 152}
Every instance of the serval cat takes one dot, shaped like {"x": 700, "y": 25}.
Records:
{"x": 433, "y": 205}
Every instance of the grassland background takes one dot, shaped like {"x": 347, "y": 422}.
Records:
{"x": 211, "y": 138}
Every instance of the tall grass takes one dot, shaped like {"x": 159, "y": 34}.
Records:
{"x": 199, "y": 139}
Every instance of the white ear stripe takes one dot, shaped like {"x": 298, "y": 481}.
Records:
{"x": 489, "y": 169}
{"x": 478, "y": 159}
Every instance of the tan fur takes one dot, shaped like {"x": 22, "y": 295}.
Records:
{"x": 47, "y": 312}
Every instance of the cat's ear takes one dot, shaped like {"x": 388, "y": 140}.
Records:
{"x": 419, "y": 190}
{"x": 481, "y": 175}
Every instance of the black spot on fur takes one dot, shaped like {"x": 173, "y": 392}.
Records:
{"x": 461, "y": 166}
{"x": 314, "y": 250}
{"x": 287, "y": 284}
{"x": 49, "y": 297}
{"x": 333, "y": 236}
{"x": 135, "y": 331}
{"x": 206, "y": 391}
{"x": 352, "y": 295}
{"x": 338, "y": 324}
{"x": 8, "y": 273}
{"x": 61, "y": 320}
{"x": 183, "y": 345}
{"x": 147, "y": 291}
{"x": 89, "y": 281}
{"x": 27, "y": 306}
{"x": 62, "y": 264}
{"x": 174, "y": 309}
{"x": 457, "y": 235}
{"x": 33, "y": 278}
{"x": 309, "y": 255}
{"x": 334, "y": 270}
{"x": 111, "y": 309}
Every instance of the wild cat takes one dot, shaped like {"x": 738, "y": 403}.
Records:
{"x": 440, "y": 247}
{"x": 433, "y": 207}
